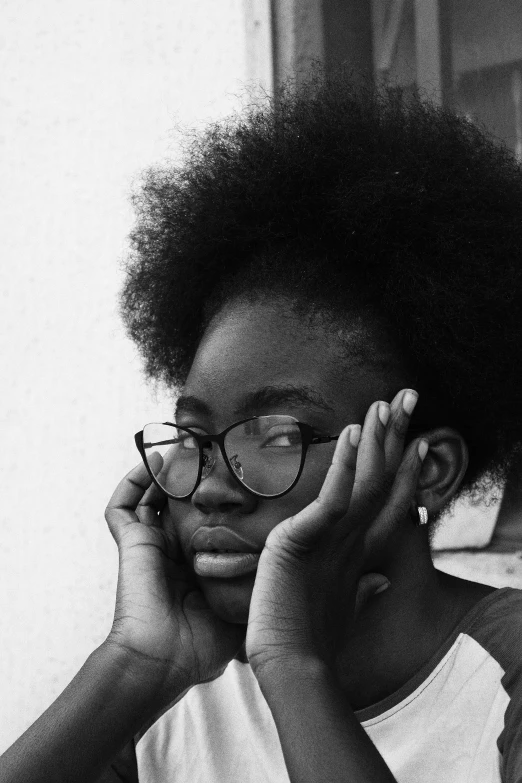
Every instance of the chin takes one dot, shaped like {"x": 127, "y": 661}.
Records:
{"x": 229, "y": 599}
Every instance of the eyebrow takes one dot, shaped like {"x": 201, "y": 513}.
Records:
{"x": 262, "y": 399}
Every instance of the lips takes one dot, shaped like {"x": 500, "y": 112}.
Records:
{"x": 221, "y": 539}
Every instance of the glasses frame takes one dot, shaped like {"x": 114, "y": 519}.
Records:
{"x": 309, "y": 435}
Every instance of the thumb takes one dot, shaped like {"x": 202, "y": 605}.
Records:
{"x": 369, "y": 585}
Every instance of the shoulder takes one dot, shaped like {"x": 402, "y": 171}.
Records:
{"x": 496, "y": 625}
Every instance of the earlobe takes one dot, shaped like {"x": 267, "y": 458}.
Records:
{"x": 443, "y": 469}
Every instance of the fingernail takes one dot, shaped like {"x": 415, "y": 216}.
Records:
{"x": 355, "y": 435}
{"x": 409, "y": 402}
{"x": 384, "y": 413}
{"x": 382, "y": 587}
{"x": 423, "y": 449}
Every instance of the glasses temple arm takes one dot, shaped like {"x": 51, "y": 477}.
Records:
{"x": 324, "y": 439}
{"x": 160, "y": 443}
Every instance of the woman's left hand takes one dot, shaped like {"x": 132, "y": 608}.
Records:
{"x": 304, "y": 599}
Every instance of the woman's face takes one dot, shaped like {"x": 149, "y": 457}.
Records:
{"x": 308, "y": 370}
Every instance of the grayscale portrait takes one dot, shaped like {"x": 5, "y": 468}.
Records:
{"x": 261, "y": 339}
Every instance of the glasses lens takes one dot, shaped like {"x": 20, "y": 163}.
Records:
{"x": 177, "y": 473}
{"x": 265, "y": 453}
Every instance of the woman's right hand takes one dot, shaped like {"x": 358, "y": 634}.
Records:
{"x": 162, "y": 618}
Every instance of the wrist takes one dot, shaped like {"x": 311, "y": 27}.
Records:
{"x": 320, "y": 735}
{"x": 151, "y": 681}
{"x": 103, "y": 707}
{"x": 298, "y": 667}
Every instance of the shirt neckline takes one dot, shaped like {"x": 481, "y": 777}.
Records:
{"x": 395, "y": 698}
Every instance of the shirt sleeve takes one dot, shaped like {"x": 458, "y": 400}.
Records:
{"x": 500, "y": 632}
{"x": 510, "y": 740}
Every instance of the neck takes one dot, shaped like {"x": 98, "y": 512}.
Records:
{"x": 400, "y": 629}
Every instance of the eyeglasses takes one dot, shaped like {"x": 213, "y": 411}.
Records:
{"x": 264, "y": 454}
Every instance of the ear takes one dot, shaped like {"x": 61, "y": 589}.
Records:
{"x": 442, "y": 470}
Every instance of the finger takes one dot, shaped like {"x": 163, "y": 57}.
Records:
{"x": 333, "y": 501}
{"x": 168, "y": 524}
{"x": 401, "y": 409}
{"x": 150, "y": 506}
{"x": 370, "y": 487}
{"x": 121, "y": 509}
{"x": 368, "y": 586}
{"x": 404, "y": 488}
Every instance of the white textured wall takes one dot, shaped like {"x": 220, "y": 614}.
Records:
{"x": 90, "y": 90}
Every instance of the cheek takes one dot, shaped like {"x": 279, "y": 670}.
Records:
{"x": 178, "y": 521}
{"x": 317, "y": 463}
{"x": 307, "y": 489}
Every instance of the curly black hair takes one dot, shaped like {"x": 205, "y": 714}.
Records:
{"x": 347, "y": 199}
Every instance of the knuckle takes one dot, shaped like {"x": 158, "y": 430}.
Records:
{"x": 109, "y": 515}
{"x": 403, "y": 505}
{"x": 374, "y": 489}
{"x": 399, "y": 426}
{"x": 294, "y": 547}
{"x": 288, "y": 544}
{"x": 331, "y": 509}
{"x": 407, "y": 466}
{"x": 387, "y": 481}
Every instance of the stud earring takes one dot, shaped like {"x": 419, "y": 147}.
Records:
{"x": 423, "y": 515}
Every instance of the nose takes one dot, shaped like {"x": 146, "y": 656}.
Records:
{"x": 217, "y": 490}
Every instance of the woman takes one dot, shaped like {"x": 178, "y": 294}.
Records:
{"x": 334, "y": 284}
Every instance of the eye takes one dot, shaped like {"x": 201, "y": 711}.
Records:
{"x": 187, "y": 441}
{"x": 283, "y": 436}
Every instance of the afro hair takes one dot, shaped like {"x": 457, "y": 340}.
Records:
{"x": 332, "y": 194}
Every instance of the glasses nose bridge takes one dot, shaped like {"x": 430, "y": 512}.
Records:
{"x": 210, "y": 465}
{"x": 219, "y": 440}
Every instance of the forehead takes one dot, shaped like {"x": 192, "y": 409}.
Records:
{"x": 251, "y": 345}
{"x": 265, "y": 337}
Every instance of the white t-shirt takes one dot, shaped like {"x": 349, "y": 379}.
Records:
{"x": 458, "y": 720}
